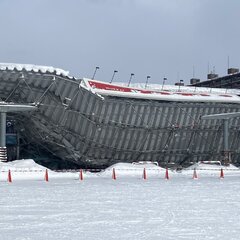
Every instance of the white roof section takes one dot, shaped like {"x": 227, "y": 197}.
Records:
{"x": 174, "y": 88}
{"x": 34, "y": 68}
{"x": 182, "y": 95}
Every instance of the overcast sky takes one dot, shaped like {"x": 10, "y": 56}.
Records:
{"x": 146, "y": 37}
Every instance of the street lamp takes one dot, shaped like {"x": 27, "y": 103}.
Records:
{"x": 180, "y": 84}
{"x": 115, "y": 71}
{"x": 95, "y": 72}
{"x": 147, "y": 81}
{"x": 164, "y": 79}
{"x": 130, "y": 79}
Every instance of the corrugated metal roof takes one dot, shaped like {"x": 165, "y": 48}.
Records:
{"x": 35, "y": 69}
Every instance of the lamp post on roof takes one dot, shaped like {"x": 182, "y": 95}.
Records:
{"x": 115, "y": 71}
{"x": 164, "y": 79}
{"x": 148, "y": 77}
{"x": 96, "y": 68}
{"x": 130, "y": 79}
{"x": 180, "y": 84}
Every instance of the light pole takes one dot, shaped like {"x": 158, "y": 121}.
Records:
{"x": 130, "y": 79}
{"x": 164, "y": 79}
{"x": 147, "y": 81}
{"x": 180, "y": 84}
{"x": 95, "y": 72}
{"x": 115, "y": 71}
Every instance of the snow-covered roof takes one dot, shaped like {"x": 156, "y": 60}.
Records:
{"x": 174, "y": 88}
{"x": 183, "y": 95}
{"x": 139, "y": 90}
{"x": 34, "y": 68}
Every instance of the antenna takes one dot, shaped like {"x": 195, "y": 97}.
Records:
{"x": 208, "y": 67}
{"x": 228, "y": 61}
{"x": 193, "y": 71}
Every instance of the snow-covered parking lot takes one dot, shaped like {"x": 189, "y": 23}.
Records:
{"x": 128, "y": 208}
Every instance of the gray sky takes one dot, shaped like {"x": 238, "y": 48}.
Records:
{"x": 146, "y": 37}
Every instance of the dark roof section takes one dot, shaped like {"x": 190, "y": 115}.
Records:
{"x": 228, "y": 81}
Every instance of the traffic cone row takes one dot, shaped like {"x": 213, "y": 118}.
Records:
{"x": 195, "y": 176}
{"x": 114, "y": 177}
{"x": 145, "y": 174}
{"x": 9, "y": 178}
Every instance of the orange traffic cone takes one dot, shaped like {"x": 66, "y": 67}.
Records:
{"x": 9, "y": 176}
{"x": 114, "y": 174}
{"x": 221, "y": 173}
{"x": 166, "y": 174}
{"x": 81, "y": 175}
{"x": 195, "y": 176}
{"x": 144, "y": 174}
{"x": 46, "y": 176}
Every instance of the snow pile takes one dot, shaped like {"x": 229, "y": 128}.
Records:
{"x": 24, "y": 165}
{"x": 28, "y": 169}
{"x": 134, "y": 170}
{"x": 22, "y": 169}
{"x": 211, "y": 169}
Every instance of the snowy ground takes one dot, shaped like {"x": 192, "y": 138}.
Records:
{"x": 128, "y": 208}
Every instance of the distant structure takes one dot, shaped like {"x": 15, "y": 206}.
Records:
{"x": 194, "y": 80}
{"x": 232, "y": 80}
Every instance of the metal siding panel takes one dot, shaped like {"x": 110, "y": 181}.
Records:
{"x": 109, "y": 113}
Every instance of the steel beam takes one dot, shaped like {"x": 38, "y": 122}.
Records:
{"x": 225, "y": 117}
{"x": 4, "y": 108}
{"x": 3, "y": 117}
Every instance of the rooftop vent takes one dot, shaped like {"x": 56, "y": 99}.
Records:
{"x": 233, "y": 70}
{"x": 181, "y": 83}
{"x": 194, "y": 80}
{"x": 212, "y": 75}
